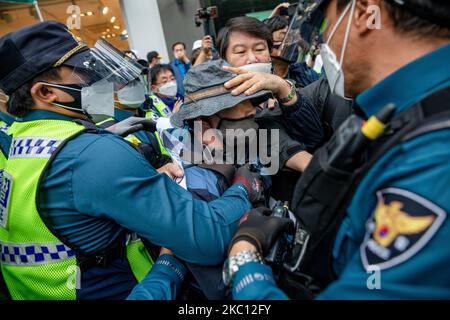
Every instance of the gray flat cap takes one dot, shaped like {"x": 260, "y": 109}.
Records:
{"x": 205, "y": 94}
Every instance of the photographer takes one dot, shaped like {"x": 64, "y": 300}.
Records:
{"x": 286, "y": 65}
{"x": 280, "y": 10}
{"x": 204, "y": 52}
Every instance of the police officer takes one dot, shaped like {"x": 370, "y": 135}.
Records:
{"x": 76, "y": 196}
{"x": 127, "y": 103}
{"x": 5, "y": 142}
{"x": 165, "y": 99}
{"x": 395, "y": 227}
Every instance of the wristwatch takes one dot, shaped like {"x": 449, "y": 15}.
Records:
{"x": 291, "y": 94}
{"x": 232, "y": 264}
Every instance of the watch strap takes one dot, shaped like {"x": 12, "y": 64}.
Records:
{"x": 233, "y": 263}
{"x": 291, "y": 94}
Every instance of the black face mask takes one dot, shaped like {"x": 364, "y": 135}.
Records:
{"x": 74, "y": 90}
{"x": 235, "y": 144}
{"x": 243, "y": 123}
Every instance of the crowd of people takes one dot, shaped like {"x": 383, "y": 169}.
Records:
{"x": 124, "y": 179}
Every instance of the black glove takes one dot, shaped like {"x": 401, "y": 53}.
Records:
{"x": 251, "y": 181}
{"x": 132, "y": 125}
{"x": 261, "y": 229}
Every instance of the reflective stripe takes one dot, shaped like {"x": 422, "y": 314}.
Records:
{"x": 33, "y": 147}
{"x": 34, "y": 254}
{"x": 160, "y": 107}
{"x": 4, "y": 128}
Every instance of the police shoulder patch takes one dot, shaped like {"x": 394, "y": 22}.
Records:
{"x": 402, "y": 224}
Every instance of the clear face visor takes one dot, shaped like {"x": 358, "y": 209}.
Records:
{"x": 103, "y": 71}
{"x": 107, "y": 64}
{"x": 305, "y": 31}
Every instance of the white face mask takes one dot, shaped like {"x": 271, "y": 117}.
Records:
{"x": 97, "y": 99}
{"x": 169, "y": 89}
{"x": 258, "y": 67}
{"x": 333, "y": 68}
{"x": 132, "y": 95}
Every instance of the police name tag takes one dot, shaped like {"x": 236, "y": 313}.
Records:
{"x": 5, "y": 193}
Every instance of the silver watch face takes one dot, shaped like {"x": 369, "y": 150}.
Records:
{"x": 226, "y": 273}
{"x": 232, "y": 264}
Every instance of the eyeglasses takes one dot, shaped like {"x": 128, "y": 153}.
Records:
{"x": 165, "y": 82}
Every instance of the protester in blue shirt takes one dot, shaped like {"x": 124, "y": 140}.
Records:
{"x": 181, "y": 64}
{"x": 396, "y": 224}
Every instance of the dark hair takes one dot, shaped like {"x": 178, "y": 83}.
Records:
{"x": 177, "y": 43}
{"x": 21, "y": 102}
{"x": 424, "y": 18}
{"x": 151, "y": 55}
{"x": 276, "y": 23}
{"x": 134, "y": 56}
{"x": 157, "y": 70}
{"x": 195, "y": 54}
{"x": 248, "y": 25}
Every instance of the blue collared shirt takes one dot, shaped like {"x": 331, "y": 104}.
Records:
{"x": 419, "y": 167}
{"x": 180, "y": 69}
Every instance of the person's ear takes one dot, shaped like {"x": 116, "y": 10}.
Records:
{"x": 154, "y": 88}
{"x": 367, "y": 16}
{"x": 40, "y": 91}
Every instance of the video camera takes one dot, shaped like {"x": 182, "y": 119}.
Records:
{"x": 290, "y": 11}
{"x": 204, "y": 14}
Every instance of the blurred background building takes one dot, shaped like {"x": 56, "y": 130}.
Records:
{"x": 138, "y": 25}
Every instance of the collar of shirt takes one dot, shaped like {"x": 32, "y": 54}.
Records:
{"x": 43, "y": 114}
{"x": 409, "y": 84}
{"x": 6, "y": 118}
{"x": 179, "y": 62}
{"x": 169, "y": 102}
